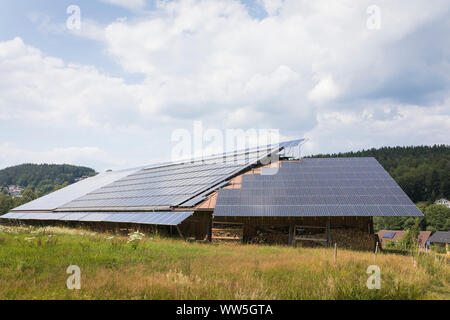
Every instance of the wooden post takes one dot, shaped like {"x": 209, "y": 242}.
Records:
{"x": 335, "y": 252}
{"x": 179, "y": 232}
{"x": 328, "y": 232}
{"x": 291, "y": 234}
{"x": 376, "y": 250}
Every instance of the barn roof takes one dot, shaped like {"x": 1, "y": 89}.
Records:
{"x": 440, "y": 237}
{"x": 310, "y": 187}
{"x": 318, "y": 187}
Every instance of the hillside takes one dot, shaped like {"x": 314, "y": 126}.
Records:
{"x": 423, "y": 172}
{"x": 42, "y": 178}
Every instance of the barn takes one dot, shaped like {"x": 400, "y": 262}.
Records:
{"x": 440, "y": 239}
{"x": 259, "y": 195}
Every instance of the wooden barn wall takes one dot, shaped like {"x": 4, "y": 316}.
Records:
{"x": 349, "y": 232}
{"x": 197, "y": 226}
{"x": 364, "y": 224}
{"x": 352, "y": 232}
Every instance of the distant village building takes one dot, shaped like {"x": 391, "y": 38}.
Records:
{"x": 15, "y": 191}
{"x": 443, "y": 201}
{"x": 396, "y": 235}
{"x": 440, "y": 239}
{"x": 81, "y": 178}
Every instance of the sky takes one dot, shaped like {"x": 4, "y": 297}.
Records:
{"x": 110, "y": 91}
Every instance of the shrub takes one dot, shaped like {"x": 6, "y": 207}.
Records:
{"x": 134, "y": 238}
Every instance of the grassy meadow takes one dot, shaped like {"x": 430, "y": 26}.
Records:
{"x": 33, "y": 264}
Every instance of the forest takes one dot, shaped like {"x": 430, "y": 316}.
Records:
{"x": 37, "y": 180}
{"x": 42, "y": 178}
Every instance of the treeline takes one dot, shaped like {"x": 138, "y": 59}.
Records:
{"x": 42, "y": 178}
{"x": 423, "y": 172}
{"x": 436, "y": 218}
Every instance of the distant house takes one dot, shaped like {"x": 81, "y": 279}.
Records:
{"x": 81, "y": 178}
{"x": 443, "y": 201}
{"x": 396, "y": 235}
{"x": 440, "y": 238}
{"x": 15, "y": 191}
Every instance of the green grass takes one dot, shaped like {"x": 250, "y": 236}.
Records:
{"x": 33, "y": 264}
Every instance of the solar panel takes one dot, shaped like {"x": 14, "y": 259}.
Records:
{"x": 73, "y": 216}
{"x": 318, "y": 187}
{"x": 389, "y": 235}
{"x": 120, "y": 217}
{"x": 95, "y": 217}
{"x": 306, "y": 210}
{"x": 13, "y": 215}
{"x": 40, "y": 216}
{"x": 194, "y": 201}
{"x": 158, "y": 218}
{"x": 73, "y": 191}
{"x": 290, "y": 164}
{"x": 168, "y": 186}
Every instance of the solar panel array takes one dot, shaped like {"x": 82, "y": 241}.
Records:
{"x": 168, "y": 185}
{"x": 318, "y": 187}
{"x": 57, "y": 198}
{"x": 161, "y": 185}
{"x": 157, "y": 218}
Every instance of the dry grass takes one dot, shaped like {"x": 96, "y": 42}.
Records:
{"x": 33, "y": 263}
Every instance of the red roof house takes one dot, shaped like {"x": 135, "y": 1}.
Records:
{"x": 395, "y": 235}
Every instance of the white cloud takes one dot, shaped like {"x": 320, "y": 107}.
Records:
{"x": 355, "y": 130}
{"x": 40, "y": 88}
{"x": 325, "y": 90}
{"x": 272, "y": 7}
{"x": 210, "y": 60}
{"x": 89, "y": 28}
{"x": 209, "y": 55}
